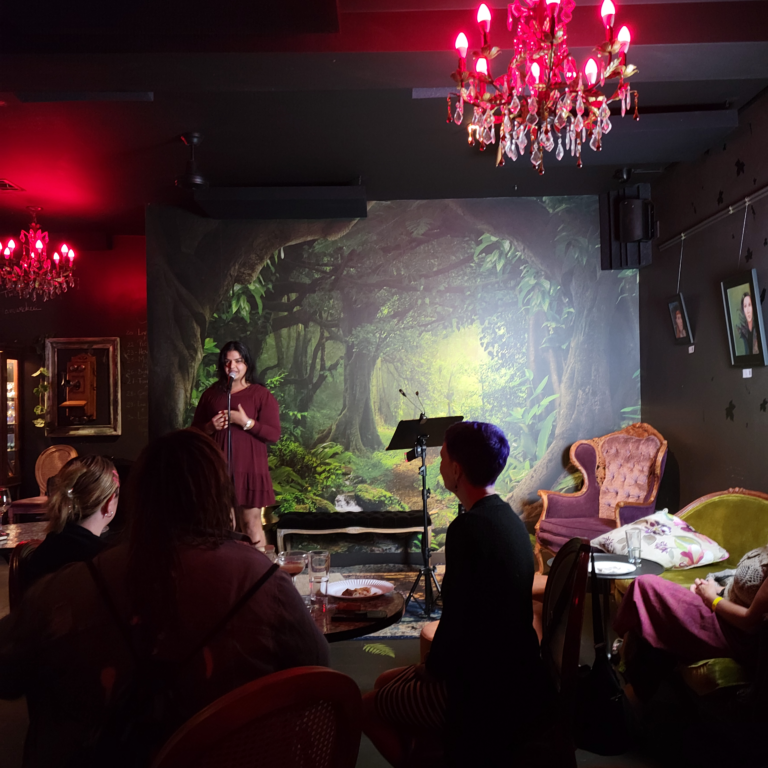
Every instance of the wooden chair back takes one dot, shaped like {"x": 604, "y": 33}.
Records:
{"x": 49, "y": 462}
{"x": 16, "y": 581}
{"x": 563, "y": 615}
{"x": 307, "y": 716}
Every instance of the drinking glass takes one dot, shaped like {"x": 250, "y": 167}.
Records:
{"x": 633, "y": 545}
{"x": 5, "y": 501}
{"x": 292, "y": 562}
{"x": 319, "y": 572}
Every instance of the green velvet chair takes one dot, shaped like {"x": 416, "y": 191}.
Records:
{"x": 736, "y": 519}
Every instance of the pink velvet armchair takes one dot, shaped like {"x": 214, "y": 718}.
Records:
{"x": 621, "y": 472}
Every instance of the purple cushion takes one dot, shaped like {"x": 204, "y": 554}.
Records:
{"x": 554, "y": 533}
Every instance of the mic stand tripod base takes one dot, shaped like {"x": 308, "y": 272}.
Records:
{"x": 430, "y": 587}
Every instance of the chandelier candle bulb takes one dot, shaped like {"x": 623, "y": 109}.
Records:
{"x": 590, "y": 70}
{"x": 484, "y": 18}
{"x": 608, "y": 12}
{"x": 624, "y": 39}
{"x": 462, "y": 45}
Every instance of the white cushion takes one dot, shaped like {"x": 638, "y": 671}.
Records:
{"x": 666, "y": 540}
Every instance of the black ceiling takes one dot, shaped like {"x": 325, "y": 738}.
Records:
{"x": 305, "y": 93}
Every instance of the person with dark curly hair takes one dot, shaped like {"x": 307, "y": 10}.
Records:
{"x": 747, "y": 329}
{"x": 255, "y": 423}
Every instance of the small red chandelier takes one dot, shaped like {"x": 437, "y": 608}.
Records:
{"x": 26, "y": 270}
{"x": 542, "y": 100}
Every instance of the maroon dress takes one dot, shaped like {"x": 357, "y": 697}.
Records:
{"x": 250, "y": 470}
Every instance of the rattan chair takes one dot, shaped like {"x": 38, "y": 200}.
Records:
{"x": 305, "y": 717}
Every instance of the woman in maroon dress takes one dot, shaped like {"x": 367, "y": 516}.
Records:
{"x": 255, "y": 422}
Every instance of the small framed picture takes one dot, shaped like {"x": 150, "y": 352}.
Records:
{"x": 679, "y": 316}
{"x": 744, "y": 320}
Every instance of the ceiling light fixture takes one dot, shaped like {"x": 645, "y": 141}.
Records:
{"x": 542, "y": 96}
{"x": 26, "y": 270}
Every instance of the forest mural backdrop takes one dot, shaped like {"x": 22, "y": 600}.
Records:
{"x": 493, "y": 309}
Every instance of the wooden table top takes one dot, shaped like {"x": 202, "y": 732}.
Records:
{"x": 18, "y": 532}
{"x": 335, "y": 631}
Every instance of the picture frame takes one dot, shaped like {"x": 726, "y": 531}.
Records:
{"x": 84, "y": 397}
{"x": 681, "y": 327}
{"x": 744, "y": 320}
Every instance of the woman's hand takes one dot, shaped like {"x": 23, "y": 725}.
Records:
{"x": 707, "y": 590}
{"x": 240, "y": 417}
{"x": 219, "y": 421}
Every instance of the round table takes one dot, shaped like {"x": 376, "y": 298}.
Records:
{"x": 18, "y": 532}
{"x": 336, "y": 631}
{"x": 644, "y": 568}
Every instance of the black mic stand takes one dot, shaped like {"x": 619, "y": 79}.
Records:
{"x": 229, "y": 425}
{"x": 421, "y": 433}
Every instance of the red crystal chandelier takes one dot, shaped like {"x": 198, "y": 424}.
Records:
{"x": 26, "y": 270}
{"x": 543, "y": 100}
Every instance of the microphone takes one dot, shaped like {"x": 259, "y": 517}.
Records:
{"x": 408, "y": 398}
{"x": 423, "y": 409}
{"x": 232, "y": 377}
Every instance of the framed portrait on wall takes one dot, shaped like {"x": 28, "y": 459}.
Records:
{"x": 84, "y": 398}
{"x": 744, "y": 320}
{"x": 681, "y": 328}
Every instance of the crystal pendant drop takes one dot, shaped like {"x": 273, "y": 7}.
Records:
{"x": 560, "y": 151}
{"x": 533, "y": 104}
{"x": 507, "y": 123}
{"x": 560, "y": 120}
{"x": 623, "y": 108}
{"x": 513, "y": 150}
{"x": 579, "y": 105}
{"x": 515, "y": 105}
{"x": 606, "y": 126}
{"x": 487, "y": 136}
{"x": 476, "y": 117}
{"x": 458, "y": 116}
{"x": 548, "y": 142}
{"x": 605, "y": 112}
{"x": 594, "y": 142}
{"x": 522, "y": 141}
{"x": 578, "y": 123}
{"x": 536, "y": 155}
{"x": 532, "y": 118}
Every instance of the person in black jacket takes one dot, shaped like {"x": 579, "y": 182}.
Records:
{"x": 82, "y": 503}
{"x": 483, "y": 687}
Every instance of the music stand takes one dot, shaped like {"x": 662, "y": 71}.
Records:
{"x": 418, "y": 435}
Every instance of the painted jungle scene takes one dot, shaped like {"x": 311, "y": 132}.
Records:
{"x": 494, "y": 309}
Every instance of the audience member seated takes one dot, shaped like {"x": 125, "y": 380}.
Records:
{"x": 82, "y": 503}
{"x": 705, "y": 621}
{"x": 181, "y": 606}
{"x": 483, "y": 690}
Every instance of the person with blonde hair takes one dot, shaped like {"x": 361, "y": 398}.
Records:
{"x": 81, "y": 505}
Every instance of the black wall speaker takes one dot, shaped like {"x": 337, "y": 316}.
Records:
{"x": 627, "y": 226}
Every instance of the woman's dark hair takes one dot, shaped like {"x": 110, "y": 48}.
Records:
{"x": 245, "y": 353}
{"x": 481, "y": 449}
{"x": 180, "y": 494}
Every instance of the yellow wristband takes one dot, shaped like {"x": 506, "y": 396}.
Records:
{"x": 715, "y": 602}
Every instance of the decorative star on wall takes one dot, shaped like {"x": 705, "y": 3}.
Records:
{"x": 739, "y": 167}
{"x": 720, "y": 197}
{"x": 763, "y": 405}
{"x": 729, "y": 410}
{"x": 748, "y": 256}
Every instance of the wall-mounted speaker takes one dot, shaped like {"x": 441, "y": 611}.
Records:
{"x": 627, "y": 226}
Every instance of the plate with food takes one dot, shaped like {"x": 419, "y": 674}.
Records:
{"x": 359, "y": 589}
{"x": 612, "y": 568}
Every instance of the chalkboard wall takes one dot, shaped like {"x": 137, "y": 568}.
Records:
{"x": 111, "y": 300}
{"x": 715, "y": 420}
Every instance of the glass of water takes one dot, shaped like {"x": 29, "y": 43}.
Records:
{"x": 319, "y": 572}
{"x": 633, "y": 545}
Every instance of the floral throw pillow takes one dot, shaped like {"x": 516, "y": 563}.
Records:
{"x": 666, "y": 540}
